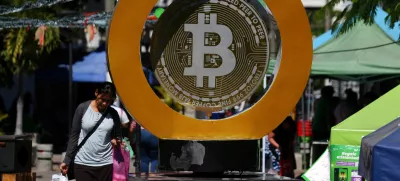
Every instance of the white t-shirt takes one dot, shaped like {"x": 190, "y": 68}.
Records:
{"x": 122, "y": 114}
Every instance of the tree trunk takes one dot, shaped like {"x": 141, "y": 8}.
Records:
{"x": 20, "y": 106}
{"x": 328, "y": 19}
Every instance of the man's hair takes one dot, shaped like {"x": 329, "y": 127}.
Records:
{"x": 107, "y": 88}
{"x": 327, "y": 91}
{"x": 351, "y": 95}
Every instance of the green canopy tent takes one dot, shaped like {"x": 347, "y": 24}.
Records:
{"x": 362, "y": 53}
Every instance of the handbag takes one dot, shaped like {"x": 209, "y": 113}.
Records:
{"x": 121, "y": 155}
{"x": 71, "y": 166}
{"x": 121, "y": 163}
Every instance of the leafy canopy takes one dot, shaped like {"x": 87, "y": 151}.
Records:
{"x": 21, "y": 52}
{"x": 364, "y": 11}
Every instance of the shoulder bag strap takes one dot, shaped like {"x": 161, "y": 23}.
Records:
{"x": 93, "y": 130}
{"x": 117, "y": 124}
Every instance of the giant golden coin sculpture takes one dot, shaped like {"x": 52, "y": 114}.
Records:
{"x": 213, "y": 58}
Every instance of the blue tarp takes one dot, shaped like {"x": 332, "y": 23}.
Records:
{"x": 379, "y": 155}
{"x": 93, "y": 68}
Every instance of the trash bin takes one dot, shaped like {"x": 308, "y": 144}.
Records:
{"x": 16, "y": 153}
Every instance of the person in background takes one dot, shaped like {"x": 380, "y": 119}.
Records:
{"x": 347, "y": 107}
{"x": 132, "y": 134}
{"x": 324, "y": 118}
{"x": 149, "y": 147}
{"x": 3, "y": 115}
{"x": 272, "y": 155}
{"x": 148, "y": 152}
{"x": 28, "y": 123}
{"x": 368, "y": 98}
{"x": 122, "y": 115}
{"x": 93, "y": 161}
{"x": 282, "y": 138}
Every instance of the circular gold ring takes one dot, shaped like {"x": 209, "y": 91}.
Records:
{"x": 127, "y": 74}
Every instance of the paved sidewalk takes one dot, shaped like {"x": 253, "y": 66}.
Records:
{"x": 46, "y": 176}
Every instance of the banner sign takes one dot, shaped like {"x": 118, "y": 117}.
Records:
{"x": 344, "y": 163}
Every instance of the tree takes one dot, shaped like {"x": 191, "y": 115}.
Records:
{"x": 365, "y": 12}
{"x": 21, "y": 50}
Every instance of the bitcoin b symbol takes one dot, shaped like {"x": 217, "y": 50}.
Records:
{"x": 217, "y": 43}
{"x": 228, "y": 58}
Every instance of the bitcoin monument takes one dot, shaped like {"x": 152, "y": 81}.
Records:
{"x": 209, "y": 54}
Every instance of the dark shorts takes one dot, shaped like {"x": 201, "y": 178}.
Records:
{"x": 87, "y": 173}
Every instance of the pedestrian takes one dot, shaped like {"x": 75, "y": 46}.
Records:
{"x": 149, "y": 146}
{"x": 148, "y": 152}
{"x": 347, "y": 107}
{"x": 95, "y": 131}
{"x": 324, "y": 117}
{"x": 125, "y": 121}
{"x": 367, "y": 99}
{"x": 3, "y": 116}
{"x": 282, "y": 138}
{"x": 272, "y": 156}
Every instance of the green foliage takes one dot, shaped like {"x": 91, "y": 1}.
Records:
{"x": 317, "y": 19}
{"x": 364, "y": 11}
{"x": 21, "y": 51}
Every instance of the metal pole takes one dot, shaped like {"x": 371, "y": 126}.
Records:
{"x": 264, "y": 138}
{"x": 137, "y": 149}
{"x": 303, "y": 144}
{"x": 70, "y": 85}
{"x": 309, "y": 100}
{"x": 309, "y": 108}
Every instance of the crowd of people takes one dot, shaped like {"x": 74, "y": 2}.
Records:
{"x": 331, "y": 110}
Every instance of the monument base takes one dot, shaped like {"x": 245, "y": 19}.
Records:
{"x": 209, "y": 156}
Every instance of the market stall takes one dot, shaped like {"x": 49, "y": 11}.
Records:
{"x": 379, "y": 153}
{"x": 346, "y": 137}
{"x": 344, "y": 151}
{"x": 363, "y": 53}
